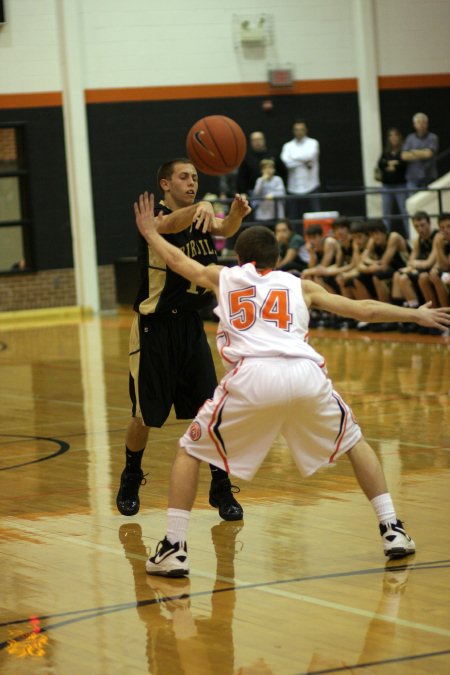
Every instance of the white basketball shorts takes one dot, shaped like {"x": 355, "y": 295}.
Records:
{"x": 262, "y": 397}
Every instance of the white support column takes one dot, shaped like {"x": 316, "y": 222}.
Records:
{"x": 77, "y": 154}
{"x": 364, "y": 30}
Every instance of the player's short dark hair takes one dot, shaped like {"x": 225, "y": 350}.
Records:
{"x": 166, "y": 170}
{"x": 376, "y": 226}
{"x": 313, "y": 230}
{"x": 257, "y": 244}
{"x": 341, "y": 221}
{"x": 358, "y": 227}
{"x": 443, "y": 216}
{"x": 421, "y": 215}
{"x": 287, "y": 222}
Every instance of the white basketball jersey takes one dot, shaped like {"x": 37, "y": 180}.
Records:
{"x": 261, "y": 314}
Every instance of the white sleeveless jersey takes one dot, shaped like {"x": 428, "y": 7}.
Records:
{"x": 262, "y": 314}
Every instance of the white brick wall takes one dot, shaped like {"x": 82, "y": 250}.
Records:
{"x": 143, "y": 43}
{"x": 413, "y": 36}
{"x": 29, "y": 56}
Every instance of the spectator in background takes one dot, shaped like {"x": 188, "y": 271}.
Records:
{"x": 419, "y": 151}
{"x": 405, "y": 283}
{"x": 301, "y": 158}
{"x": 385, "y": 253}
{"x": 393, "y": 168}
{"x": 228, "y": 185}
{"x": 267, "y": 187}
{"x": 360, "y": 238}
{"x": 293, "y": 254}
{"x": 341, "y": 232}
{"x": 435, "y": 284}
{"x": 250, "y": 170}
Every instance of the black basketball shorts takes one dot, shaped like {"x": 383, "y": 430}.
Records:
{"x": 170, "y": 365}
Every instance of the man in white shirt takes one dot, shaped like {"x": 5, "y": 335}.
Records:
{"x": 301, "y": 158}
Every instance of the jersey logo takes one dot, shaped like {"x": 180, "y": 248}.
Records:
{"x": 195, "y": 431}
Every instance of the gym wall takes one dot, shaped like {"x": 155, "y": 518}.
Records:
{"x": 150, "y": 73}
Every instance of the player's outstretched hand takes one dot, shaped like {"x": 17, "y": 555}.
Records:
{"x": 240, "y": 206}
{"x": 144, "y": 213}
{"x": 433, "y": 317}
{"x": 204, "y": 217}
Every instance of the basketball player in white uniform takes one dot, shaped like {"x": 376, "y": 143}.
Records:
{"x": 276, "y": 383}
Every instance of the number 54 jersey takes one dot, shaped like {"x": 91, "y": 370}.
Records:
{"x": 262, "y": 314}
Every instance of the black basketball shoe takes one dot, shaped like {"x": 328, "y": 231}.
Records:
{"x": 127, "y": 499}
{"x": 221, "y": 497}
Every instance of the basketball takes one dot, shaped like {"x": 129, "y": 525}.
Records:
{"x": 216, "y": 145}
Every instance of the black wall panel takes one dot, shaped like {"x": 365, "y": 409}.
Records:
{"x": 44, "y": 135}
{"x": 129, "y": 141}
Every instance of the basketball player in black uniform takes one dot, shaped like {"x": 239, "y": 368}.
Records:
{"x": 170, "y": 359}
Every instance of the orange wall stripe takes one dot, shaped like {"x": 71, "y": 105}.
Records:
{"x": 42, "y": 99}
{"x": 436, "y": 80}
{"x": 226, "y": 90}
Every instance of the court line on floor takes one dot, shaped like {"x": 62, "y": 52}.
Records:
{"x": 267, "y": 586}
{"x": 358, "y": 666}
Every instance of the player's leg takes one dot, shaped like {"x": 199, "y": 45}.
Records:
{"x": 150, "y": 387}
{"x": 132, "y": 476}
{"x": 196, "y": 384}
{"x": 427, "y": 288}
{"x": 230, "y": 430}
{"x": 170, "y": 558}
{"x": 370, "y": 476}
{"x": 321, "y": 427}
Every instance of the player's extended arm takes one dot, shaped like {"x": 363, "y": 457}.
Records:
{"x": 149, "y": 227}
{"x": 374, "y": 311}
{"x": 229, "y": 225}
{"x": 202, "y": 213}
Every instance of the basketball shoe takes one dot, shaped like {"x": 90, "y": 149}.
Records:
{"x": 170, "y": 560}
{"x": 221, "y": 497}
{"x": 127, "y": 499}
{"x": 396, "y": 542}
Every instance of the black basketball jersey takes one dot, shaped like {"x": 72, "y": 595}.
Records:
{"x": 399, "y": 259}
{"x": 347, "y": 253}
{"x": 425, "y": 246}
{"x": 162, "y": 290}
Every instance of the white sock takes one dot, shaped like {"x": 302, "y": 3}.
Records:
{"x": 384, "y": 508}
{"x": 177, "y": 524}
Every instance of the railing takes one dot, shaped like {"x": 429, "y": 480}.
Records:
{"x": 354, "y": 202}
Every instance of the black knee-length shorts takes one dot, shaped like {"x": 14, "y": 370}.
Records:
{"x": 170, "y": 365}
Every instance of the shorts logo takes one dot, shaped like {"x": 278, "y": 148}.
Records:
{"x": 195, "y": 431}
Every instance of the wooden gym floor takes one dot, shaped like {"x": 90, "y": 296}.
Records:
{"x": 301, "y": 586}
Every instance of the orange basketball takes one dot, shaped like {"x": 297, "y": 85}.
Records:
{"x": 216, "y": 145}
